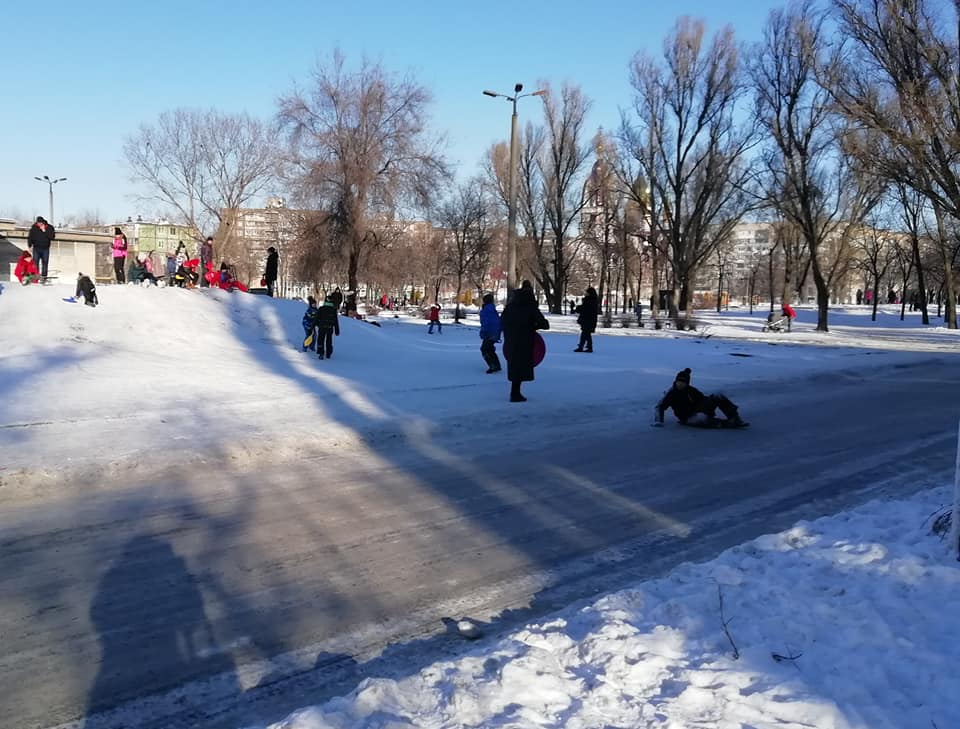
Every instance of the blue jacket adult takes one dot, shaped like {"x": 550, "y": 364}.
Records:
{"x": 489, "y": 323}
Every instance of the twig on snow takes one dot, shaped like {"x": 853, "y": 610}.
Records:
{"x": 792, "y": 657}
{"x": 724, "y": 622}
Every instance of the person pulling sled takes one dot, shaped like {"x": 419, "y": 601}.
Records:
{"x": 694, "y": 408}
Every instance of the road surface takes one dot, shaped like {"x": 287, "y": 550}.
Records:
{"x": 224, "y": 598}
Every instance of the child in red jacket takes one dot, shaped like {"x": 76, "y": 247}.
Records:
{"x": 26, "y": 270}
{"x": 434, "y": 317}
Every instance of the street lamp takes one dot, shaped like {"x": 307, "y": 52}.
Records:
{"x": 512, "y": 284}
{"x": 51, "y": 183}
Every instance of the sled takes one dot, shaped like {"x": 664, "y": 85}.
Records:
{"x": 539, "y": 349}
{"x": 308, "y": 341}
{"x": 715, "y": 424}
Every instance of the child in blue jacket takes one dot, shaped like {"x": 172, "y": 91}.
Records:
{"x": 490, "y": 334}
{"x": 310, "y": 323}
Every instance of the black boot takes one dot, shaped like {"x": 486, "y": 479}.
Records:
{"x": 515, "y": 395}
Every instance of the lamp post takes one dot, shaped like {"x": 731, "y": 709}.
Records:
{"x": 770, "y": 273}
{"x": 51, "y": 183}
{"x": 512, "y": 185}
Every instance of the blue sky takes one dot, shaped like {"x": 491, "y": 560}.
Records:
{"x": 77, "y": 77}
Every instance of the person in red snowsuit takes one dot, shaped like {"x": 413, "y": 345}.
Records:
{"x": 789, "y": 312}
{"x": 26, "y": 270}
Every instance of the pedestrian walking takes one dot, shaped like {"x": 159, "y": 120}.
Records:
{"x": 587, "y": 319}
{"x": 328, "y": 324}
{"x": 520, "y": 321}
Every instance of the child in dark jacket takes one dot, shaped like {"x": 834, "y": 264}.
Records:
{"x": 310, "y": 334}
{"x": 692, "y": 407}
{"x": 87, "y": 289}
{"x": 327, "y": 325}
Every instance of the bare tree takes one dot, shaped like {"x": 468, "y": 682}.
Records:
{"x": 467, "y": 219}
{"x": 810, "y": 180}
{"x": 897, "y": 77}
{"x": 359, "y": 149}
{"x": 202, "y": 165}
{"x": 912, "y": 216}
{"x": 601, "y": 219}
{"x": 877, "y": 251}
{"x": 689, "y": 146}
{"x": 561, "y": 164}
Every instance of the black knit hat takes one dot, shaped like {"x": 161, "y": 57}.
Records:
{"x": 683, "y": 376}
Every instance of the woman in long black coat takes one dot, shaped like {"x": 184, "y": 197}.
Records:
{"x": 520, "y": 320}
{"x": 587, "y": 320}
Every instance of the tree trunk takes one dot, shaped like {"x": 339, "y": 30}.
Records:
{"x": 876, "y": 297}
{"x": 823, "y": 295}
{"x": 456, "y": 311}
{"x": 353, "y": 264}
{"x": 921, "y": 286}
{"x": 950, "y": 319}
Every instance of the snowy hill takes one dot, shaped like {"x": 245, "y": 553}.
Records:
{"x": 159, "y": 378}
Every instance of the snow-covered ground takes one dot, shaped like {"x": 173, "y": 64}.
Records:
{"x": 843, "y": 622}
{"x": 858, "y": 606}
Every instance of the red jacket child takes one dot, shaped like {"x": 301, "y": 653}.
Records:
{"x": 26, "y": 270}
{"x": 789, "y": 311}
{"x": 434, "y": 313}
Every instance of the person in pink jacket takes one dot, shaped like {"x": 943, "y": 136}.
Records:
{"x": 119, "y": 254}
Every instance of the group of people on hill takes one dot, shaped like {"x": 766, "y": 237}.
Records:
{"x": 185, "y": 271}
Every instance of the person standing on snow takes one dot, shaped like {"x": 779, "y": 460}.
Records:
{"x": 434, "y": 317}
{"x": 38, "y": 239}
{"x": 337, "y": 298}
{"x": 587, "y": 319}
{"x": 270, "y": 274}
{"x": 328, "y": 324}
{"x": 520, "y": 320}
{"x": 490, "y": 334}
{"x": 206, "y": 260}
{"x": 119, "y": 254}
{"x": 692, "y": 407}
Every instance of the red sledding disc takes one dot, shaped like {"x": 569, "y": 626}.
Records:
{"x": 539, "y": 349}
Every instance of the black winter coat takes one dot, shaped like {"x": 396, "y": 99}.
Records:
{"x": 685, "y": 402}
{"x": 588, "y": 311}
{"x": 327, "y": 317}
{"x": 40, "y": 239}
{"x": 520, "y": 320}
{"x": 273, "y": 263}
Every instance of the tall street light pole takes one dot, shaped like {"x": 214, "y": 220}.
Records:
{"x": 512, "y": 283}
{"x": 51, "y": 183}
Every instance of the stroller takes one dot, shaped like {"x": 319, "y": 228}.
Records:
{"x": 777, "y": 322}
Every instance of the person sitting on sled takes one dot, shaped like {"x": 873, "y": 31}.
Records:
{"x": 26, "y": 270}
{"x": 87, "y": 289}
{"x": 692, "y": 407}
